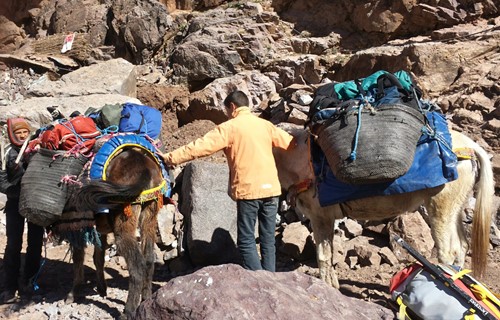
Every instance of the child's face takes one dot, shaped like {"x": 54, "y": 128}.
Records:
{"x": 21, "y": 134}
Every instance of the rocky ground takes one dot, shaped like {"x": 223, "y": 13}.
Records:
{"x": 366, "y": 283}
{"x": 467, "y": 87}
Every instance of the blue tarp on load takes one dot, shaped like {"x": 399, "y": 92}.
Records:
{"x": 100, "y": 159}
{"x": 434, "y": 164}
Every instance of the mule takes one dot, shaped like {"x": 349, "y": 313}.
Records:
{"x": 444, "y": 206}
{"x": 128, "y": 174}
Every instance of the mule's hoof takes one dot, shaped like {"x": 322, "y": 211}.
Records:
{"x": 70, "y": 298}
{"x": 102, "y": 291}
{"x": 124, "y": 316}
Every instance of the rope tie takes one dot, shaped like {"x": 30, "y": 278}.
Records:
{"x": 108, "y": 130}
{"x": 71, "y": 180}
{"x": 428, "y": 130}
{"x": 79, "y": 138}
{"x": 353, "y": 155}
{"x": 33, "y": 280}
{"x": 78, "y": 149}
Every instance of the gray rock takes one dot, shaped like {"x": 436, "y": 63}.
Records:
{"x": 297, "y": 242}
{"x": 210, "y": 212}
{"x": 116, "y": 76}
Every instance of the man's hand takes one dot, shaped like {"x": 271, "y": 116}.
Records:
{"x": 166, "y": 157}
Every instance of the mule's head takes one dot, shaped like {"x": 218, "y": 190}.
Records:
{"x": 294, "y": 165}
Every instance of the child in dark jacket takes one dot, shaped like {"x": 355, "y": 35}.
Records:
{"x": 10, "y": 184}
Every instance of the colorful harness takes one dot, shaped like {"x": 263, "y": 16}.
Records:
{"x": 113, "y": 147}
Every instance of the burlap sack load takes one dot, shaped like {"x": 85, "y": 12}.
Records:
{"x": 47, "y": 184}
{"x": 385, "y": 147}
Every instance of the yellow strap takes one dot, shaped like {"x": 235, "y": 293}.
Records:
{"x": 402, "y": 309}
{"x": 464, "y": 153}
{"x": 491, "y": 295}
{"x": 481, "y": 293}
{"x": 151, "y": 194}
{"x": 487, "y": 297}
{"x": 460, "y": 274}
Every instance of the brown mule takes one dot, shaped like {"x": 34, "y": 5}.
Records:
{"x": 128, "y": 174}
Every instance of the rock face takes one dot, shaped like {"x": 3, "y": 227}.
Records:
{"x": 11, "y": 35}
{"x": 134, "y": 28}
{"x": 373, "y": 22}
{"x": 231, "y": 292}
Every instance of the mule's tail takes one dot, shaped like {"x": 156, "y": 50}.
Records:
{"x": 485, "y": 189}
{"x": 100, "y": 193}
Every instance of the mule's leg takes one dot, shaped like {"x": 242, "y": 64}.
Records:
{"x": 148, "y": 225}
{"x": 127, "y": 246}
{"x": 322, "y": 222}
{"x": 445, "y": 217}
{"x": 78, "y": 281}
{"x": 99, "y": 265}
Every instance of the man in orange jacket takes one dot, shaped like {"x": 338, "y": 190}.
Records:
{"x": 247, "y": 142}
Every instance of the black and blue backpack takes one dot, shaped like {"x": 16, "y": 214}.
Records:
{"x": 379, "y": 88}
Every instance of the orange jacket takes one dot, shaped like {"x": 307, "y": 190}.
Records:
{"x": 248, "y": 142}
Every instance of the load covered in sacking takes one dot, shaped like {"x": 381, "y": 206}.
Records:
{"x": 45, "y": 189}
{"x": 368, "y": 129}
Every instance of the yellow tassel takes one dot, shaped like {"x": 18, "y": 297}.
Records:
{"x": 127, "y": 210}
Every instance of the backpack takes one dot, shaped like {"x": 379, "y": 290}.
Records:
{"x": 421, "y": 296}
{"x": 140, "y": 119}
{"x": 379, "y": 88}
{"x": 79, "y": 132}
{"x": 108, "y": 116}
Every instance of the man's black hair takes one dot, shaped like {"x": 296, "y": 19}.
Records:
{"x": 239, "y": 98}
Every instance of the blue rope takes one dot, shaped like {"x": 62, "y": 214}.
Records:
{"x": 108, "y": 130}
{"x": 79, "y": 138}
{"x": 42, "y": 263}
{"x": 35, "y": 278}
{"x": 436, "y": 136}
{"x": 353, "y": 155}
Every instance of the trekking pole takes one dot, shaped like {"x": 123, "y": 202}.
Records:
{"x": 23, "y": 148}
{"x": 2, "y": 148}
{"x": 2, "y": 155}
{"x": 438, "y": 274}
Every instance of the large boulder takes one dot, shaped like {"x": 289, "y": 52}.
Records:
{"x": 76, "y": 91}
{"x": 208, "y": 103}
{"x": 231, "y": 292}
{"x": 211, "y": 50}
{"x": 11, "y": 35}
